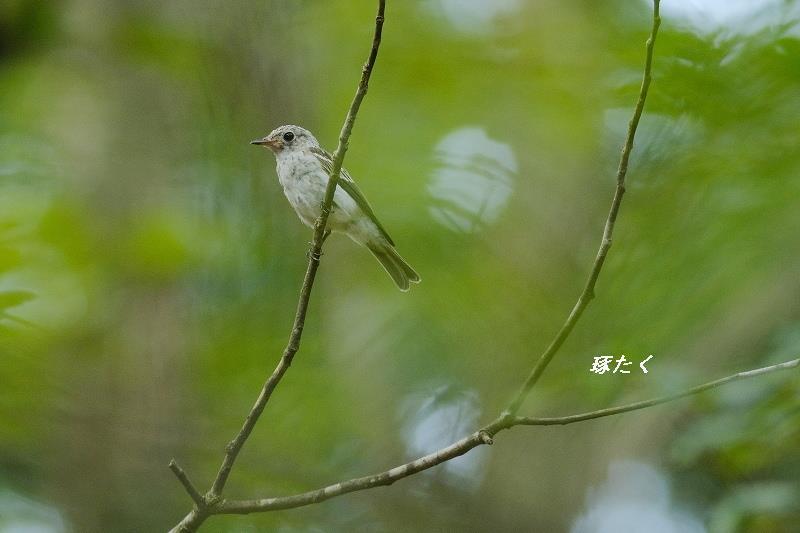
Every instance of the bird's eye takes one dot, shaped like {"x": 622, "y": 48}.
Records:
{"x": 288, "y": 136}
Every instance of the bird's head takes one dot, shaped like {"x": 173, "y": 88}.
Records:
{"x": 288, "y": 138}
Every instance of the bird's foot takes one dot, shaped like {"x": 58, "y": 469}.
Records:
{"x": 312, "y": 254}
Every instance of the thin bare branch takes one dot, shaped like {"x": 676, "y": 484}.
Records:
{"x": 347, "y": 128}
{"x": 314, "y": 256}
{"x": 483, "y": 436}
{"x": 331, "y": 491}
{"x": 187, "y": 484}
{"x": 193, "y": 520}
{"x": 564, "y": 420}
{"x": 605, "y": 244}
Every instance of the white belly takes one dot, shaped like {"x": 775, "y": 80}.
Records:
{"x": 304, "y": 182}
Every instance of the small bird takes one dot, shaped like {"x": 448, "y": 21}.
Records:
{"x": 304, "y": 169}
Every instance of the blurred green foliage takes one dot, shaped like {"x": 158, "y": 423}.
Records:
{"x": 149, "y": 264}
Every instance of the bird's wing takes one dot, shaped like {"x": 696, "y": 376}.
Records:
{"x": 349, "y": 186}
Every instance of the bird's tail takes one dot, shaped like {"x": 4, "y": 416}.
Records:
{"x": 401, "y": 272}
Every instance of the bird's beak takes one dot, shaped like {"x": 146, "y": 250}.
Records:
{"x": 273, "y": 145}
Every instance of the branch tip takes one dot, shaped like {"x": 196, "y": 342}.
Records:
{"x": 187, "y": 484}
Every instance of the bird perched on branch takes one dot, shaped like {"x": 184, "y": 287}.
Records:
{"x": 304, "y": 169}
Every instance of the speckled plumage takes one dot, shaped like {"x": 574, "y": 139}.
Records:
{"x": 303, "y": 168}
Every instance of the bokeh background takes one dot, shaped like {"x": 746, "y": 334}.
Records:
{"x": 150, "y": 265}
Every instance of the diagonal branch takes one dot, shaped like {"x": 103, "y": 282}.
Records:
{"x": 314, "y": 256}
{"x": 484, "y": 435}
{"x": 193, "y": 520}
{"x": 564, "y": 420}
{"x": 605, "y": 244}
{"x": 187, "y": 484}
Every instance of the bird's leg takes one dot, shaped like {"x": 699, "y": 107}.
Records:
{"x": 312, "y": 253}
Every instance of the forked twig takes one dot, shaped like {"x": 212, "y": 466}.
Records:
{"x": 485, "y": 435}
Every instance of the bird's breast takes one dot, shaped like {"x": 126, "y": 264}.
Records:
{"x": 304, "y": 182}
